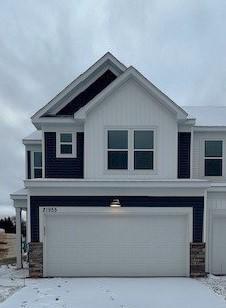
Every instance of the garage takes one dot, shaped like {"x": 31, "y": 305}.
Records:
{"x": 219, "y": 242}
{"x": 84, "y": 241}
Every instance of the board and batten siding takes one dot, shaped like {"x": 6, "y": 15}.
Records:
{"x": 199, "y": 151}
{"x": 130, "y": 106}
{"x": 197, "y": 203}
{"x": 63, "y": 167}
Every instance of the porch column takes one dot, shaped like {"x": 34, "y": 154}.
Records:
{"x": 18, "y": 238}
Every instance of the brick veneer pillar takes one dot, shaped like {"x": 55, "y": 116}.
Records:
{"x": 35, "y": 255}
{"x": 197, "y": 259}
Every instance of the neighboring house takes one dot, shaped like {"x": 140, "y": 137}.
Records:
{"x": 121, "y": 181}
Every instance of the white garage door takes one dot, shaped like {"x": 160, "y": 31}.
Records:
{"x": 117, "y": 242}
{"x": 219, "y": 245}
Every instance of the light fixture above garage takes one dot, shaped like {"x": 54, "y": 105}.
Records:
{"x": 115, "y": 203}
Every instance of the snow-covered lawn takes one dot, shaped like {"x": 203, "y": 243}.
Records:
{"x": 10, "y": 280}
{"x": 216, "y": 283}
{"x": 109, "y": 292}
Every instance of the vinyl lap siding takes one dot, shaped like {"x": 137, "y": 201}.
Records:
{"x": 197, "y": 203}
{"x": 63, "y": 167}
{"x": 184, "y": 159}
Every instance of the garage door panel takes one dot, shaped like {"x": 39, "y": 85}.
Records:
{"x": 116, "y": 245}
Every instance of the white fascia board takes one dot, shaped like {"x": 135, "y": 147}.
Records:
{"x": 117, "y": 183}
{"x": 209, "y": 128}
{"x": 131, "y": 72}
{"x": 19, "y": 195}
{"x": 116, "y": 191}
{"x": 53, "y": 120}
{"x": 187, "y": 122}
{"x": 108, "y": 57}
{"x": 33, "y": 138}
{"x": 31, "y": 142}
{"x": 217, "y": 187}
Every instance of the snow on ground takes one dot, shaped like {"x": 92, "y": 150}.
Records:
{"x": 216, "y": 283}
{"x": 10, "y": 280}
{"x": 114, "y": 293}
{"x": 109, "y": 292}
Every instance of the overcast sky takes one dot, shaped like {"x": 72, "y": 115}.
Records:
{"x": 179, "y": 45}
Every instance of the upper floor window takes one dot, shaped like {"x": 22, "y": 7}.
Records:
{"x": 66, "y": 145}
{"x": 37, "y": 164}
{"x": 143, "y": 149}
{"x": 130, "y": 149}
{"x": 213, "y": 157}
{"x": 117, "y": 149}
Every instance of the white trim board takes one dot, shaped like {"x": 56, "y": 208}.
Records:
{"x": 117, "y": 183}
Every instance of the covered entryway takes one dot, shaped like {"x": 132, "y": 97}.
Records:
{"x": 116, "y": 242}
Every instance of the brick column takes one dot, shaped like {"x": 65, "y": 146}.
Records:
{"x": 197, "y": 259}
{"x": 35, "y": 255}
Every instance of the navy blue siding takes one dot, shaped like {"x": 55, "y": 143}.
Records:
{"x": 184, "y": 159}
{"x": 84, "y": 97}
{"x": 197, "y": 203}
{"x": 29, "y": 164}
{"x": 63, "y": 167}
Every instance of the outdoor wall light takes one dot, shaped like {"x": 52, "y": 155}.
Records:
{"x": 115, "y": 203}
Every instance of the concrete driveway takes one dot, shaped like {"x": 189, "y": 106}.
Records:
{"x": 114, "y": 293}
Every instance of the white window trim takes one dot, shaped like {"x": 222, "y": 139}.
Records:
{"x": 130, "y": 170}
{"x": 218, "y": 157}
{"x": 33, "y": 164}
{"x": 73, "y": 143}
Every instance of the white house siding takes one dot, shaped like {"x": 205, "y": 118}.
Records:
{"x": 131, "y": 106}
{"x": 198, "y": 153}
{"x": 216, "y": 232}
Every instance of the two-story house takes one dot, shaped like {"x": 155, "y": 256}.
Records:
{"x": 121, "y": 181}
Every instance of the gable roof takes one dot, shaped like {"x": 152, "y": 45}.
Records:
{"x": 75, "y": 99}
{"x": 89, "y": 93}
{"x": 208, "y": 115}
{"x": 79, "y": 84}
{"x": 131, "y": 72}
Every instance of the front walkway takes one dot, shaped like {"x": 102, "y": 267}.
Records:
{"x": 114, "y": 293}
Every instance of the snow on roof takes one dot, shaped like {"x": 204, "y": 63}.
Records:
{"x": 207, "y": 115}
{"x": 36, "y": 135}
